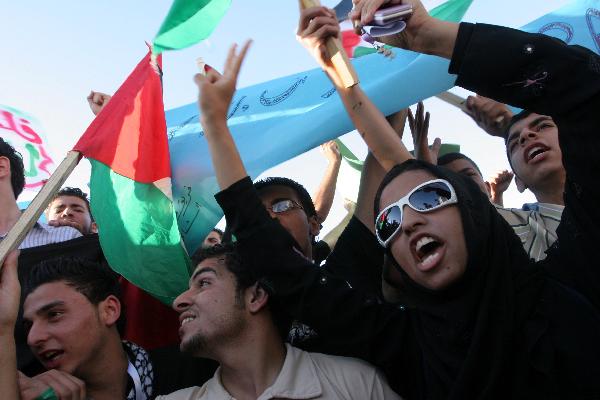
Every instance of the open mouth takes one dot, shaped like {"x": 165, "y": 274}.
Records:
{"x": 534, "y": 153}
{"x": 187, "y": 318}
{"x": 50, "y": 356}
{"x": 427, "y": 251}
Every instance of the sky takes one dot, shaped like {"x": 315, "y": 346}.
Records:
{"x": 54, "y": 53}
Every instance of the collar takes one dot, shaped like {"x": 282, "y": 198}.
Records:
{"x": 297, "y": 379}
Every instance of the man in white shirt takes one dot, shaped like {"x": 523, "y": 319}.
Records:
{"x": 228, "y": 316}
{"x": 12, "y": 182}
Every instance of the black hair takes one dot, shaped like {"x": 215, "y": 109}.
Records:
{"x": 94, "y": 280}
{"x": 17, "y": 170}
{"x": 449, "y": 157}
{"x": 305, "y": 199}
{"x": 75, "y": 192}
{"x": 218, "y": 231}
{"x": 245, "y": 277}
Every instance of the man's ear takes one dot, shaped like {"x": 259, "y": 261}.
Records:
{"x": 94, "y": 228}
{"x": 256, "y": 298}
{"x": 314, "y": 226}
{"x": 4, "y": 166}
{"x": 109, "y": 310}
{"x": 521, "y": 186}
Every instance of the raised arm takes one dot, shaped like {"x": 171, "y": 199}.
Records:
{"x": 10, "y": 292}
{"x": 316, "y": 25}
{"x": 323, "y": 198}
{"x": 215, "y": 96}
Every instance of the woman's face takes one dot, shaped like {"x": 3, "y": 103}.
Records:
{"x": 430, "y": 247}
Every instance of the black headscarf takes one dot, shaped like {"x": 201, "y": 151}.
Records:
{"x": 466, "y": 331}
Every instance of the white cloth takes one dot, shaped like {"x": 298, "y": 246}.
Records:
{"x": 306, "y": 376}
{"x": 42, "y": 234}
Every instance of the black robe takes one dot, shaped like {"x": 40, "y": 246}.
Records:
{"x": 509, "y": 328}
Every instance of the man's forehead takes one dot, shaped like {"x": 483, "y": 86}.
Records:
{"x": 58, "y": 292}
{"x": 525, "y": 122}
{"x": 212, "y": 264}
{"x": 273, "y": 192}
{"x": 68, "y": 200}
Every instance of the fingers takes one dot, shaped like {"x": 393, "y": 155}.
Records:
{"x": 435, "y": 149}
{"x": 234, "y": 61}
{"x": 411, "y": 121}
{"x": 65, "y": 385}
{"x": 8, "y": 275}
{"x": 308, "y": 15}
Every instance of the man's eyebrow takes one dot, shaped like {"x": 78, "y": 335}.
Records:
{"x": 540, "y": 119}
{"x": 277, "y": 200}
{"x": 201, "y": 271}
{"x": 49, "y": 306}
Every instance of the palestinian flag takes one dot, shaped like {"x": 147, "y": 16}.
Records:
{"x": 131, "y": 186}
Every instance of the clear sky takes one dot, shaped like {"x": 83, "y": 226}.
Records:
{"x": 54, "y": 53}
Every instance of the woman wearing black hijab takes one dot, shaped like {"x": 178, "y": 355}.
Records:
{"x": 475, "y": 318}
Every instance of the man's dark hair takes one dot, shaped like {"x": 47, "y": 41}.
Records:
{"x": 244, "y": 278}
{"x": 305, "y": 199}
{"x": 449, "y": 157}
{"x": 17, "y": 170}
{"x": 218, "y": 231}
{"x": 75, "y": 192}
{"x": 92, "y": 279}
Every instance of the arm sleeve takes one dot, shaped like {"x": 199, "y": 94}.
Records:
{"x": 352, "y": 323}
{"x": 547, "y": 76}
{"x": 357, "y": 257}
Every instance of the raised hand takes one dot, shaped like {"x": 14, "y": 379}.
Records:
{"x": 364, "y": 11}
{"x": 316, "y": 25}
{"x": 419, "y": 128}
{"x": 98, "y": 101}
{"x": 331, "y": 151}
{"x": 216, "y": 90}
{"x": 499, "y": 183}
{"x": 491, "y": 116}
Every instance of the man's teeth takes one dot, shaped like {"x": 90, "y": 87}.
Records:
{"x": 51, "y": 355}
{"x": 423, "y": 241}
{"x": 186, "y": 320}
{"x": 534, "y": 151}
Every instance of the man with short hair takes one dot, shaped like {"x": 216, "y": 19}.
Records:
{"x": 72, "y": 314}
{"x": 71, "y": 207}
{"x": 12, "y": 182}
{"x": 534, "y": 154}
{"x": 214, "y": 237}
{"x": 229, "y": 316}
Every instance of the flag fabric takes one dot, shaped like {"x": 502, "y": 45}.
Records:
{"x": 277, "y": 120}
{"x": 25, "y": 134}
{"x": 130, "y": 187}
{"x": 188, "y": 22}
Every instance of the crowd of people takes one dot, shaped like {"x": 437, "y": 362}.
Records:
{"x": 429, "y": 288}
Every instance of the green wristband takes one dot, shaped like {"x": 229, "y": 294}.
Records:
{"x": 48, "y": 394}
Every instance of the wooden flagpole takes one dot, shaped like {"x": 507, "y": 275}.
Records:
{"x": 453, "y": 99}
{"x": 337, "y": 54}
{"x": 30, "y": 216}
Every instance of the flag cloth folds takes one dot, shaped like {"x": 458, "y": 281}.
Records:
{"x": 131, "y": 187}
{"x": 188, "y": 22}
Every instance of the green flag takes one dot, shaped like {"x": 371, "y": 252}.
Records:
{"x": 188, "y": 22}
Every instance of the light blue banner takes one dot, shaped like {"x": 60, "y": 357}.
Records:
{"x": 277, "y": 120}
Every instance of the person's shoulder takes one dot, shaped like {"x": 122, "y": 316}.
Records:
{"x": 191, "y": 393}
{"x": 348, "y": 366}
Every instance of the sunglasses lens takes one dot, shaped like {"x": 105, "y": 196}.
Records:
{"x": 430, "y": 196}
{"x": 282, "y": 206}
{"x": 388, "y": 223}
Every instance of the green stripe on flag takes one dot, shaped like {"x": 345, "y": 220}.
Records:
{"x": 452, "y": 10}
{"x": 139, "y": 233}
{"x": 188, "y": 22}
